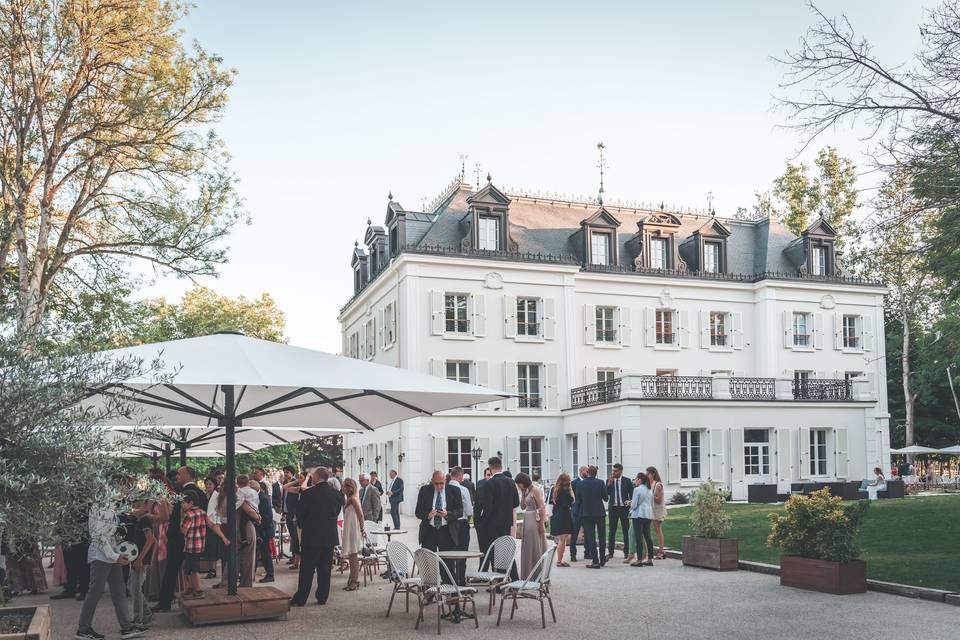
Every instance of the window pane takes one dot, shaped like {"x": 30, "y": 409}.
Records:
{"x": 600, "y": 248}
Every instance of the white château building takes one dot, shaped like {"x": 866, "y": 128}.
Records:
{"x": 711, "y": 348}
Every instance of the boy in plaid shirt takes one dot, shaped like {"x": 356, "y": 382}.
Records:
{"x": 194, "y": 528}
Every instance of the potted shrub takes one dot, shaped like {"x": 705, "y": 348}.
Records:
{"x": 708, "y": 547}
{"x": 25, "y": 623}
{"x": 818, "y": 534}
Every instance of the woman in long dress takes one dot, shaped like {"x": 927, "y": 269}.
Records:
{"x": 659, "y": 507}
{"x": 353, "y": 532}
{"x": 534, "y": 540}
{"x": 561, "y": 520}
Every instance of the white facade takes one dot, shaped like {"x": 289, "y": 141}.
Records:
{"x": 540, "y": 329}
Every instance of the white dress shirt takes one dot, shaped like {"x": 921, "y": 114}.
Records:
{"x": 467, "y": 503}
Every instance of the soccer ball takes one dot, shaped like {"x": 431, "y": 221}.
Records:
{"x": 129, "y": 550}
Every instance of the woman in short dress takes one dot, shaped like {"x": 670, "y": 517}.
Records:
{"x": 561, "y": 520}
{"x": 353, "y": 532}
{"x": 534, "y": 540}
{"x": 659, "y": 507}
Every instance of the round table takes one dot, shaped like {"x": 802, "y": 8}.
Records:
{"x": 453, "y": 555}
{"x": 392, "y": 532}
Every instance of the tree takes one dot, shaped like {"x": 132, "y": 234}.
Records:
{"x": 888, "y": 250}
{"x": 832, "y": 194}
{"x": 105, "y": 153}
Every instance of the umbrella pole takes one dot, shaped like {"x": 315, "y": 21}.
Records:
{"x": 183, "y": 454}
{"x": 166, "y": 459}
{"x": 229, "y": 423}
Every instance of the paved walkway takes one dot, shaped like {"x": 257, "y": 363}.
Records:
{"x": 663, "y": 602}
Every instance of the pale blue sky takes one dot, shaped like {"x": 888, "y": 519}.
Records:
{"x": 335, "y": 104}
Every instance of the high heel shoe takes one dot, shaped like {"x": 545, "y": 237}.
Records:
{"x": 353, "y": 586}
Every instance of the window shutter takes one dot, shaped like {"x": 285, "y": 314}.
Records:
{"x": 784, "y": 457}
{"x": 481, "y": 378}
{"x": 479, "y": 314}
{"x": 381, "y": 314}
{"x": 549, "y": 318}
{"x": 590, "y": 446}
{"x": 804, "y": 453}
{"x": 626, "y": 330}
{"x": 843, "y": 457}
{"x": 736, "y": 455}
{"x": 788, "y": 329}
{"x": 649, "y": 334}
{"x": 673, "y": 456}
{"x": 551, "y": 392}
{"x": 684, "y": 331}
{"x": 867, "y": 333}
{"x": 589, "y": 324}
{"x": 554, "y": 462}
{"x": 837, "y": 331}
{"x": 512, "y": 445}
{"x": 589, "y": 375}
{"x": 818, "y": 331}
{"x": 393, "y": 323}
{"x": 510, "y": 384}
{"x": 509, "y": 316}
{"x": 436, "y": 312}
{"x": 617, "y": 437}
{"x": 717, "y": 457}
{"x": 736, "y": 324}
{"x": 704, "y": 329}
{"x": 362, "y": 342}
{"x": 440, "y": 461}
{"x": 438, "y": 368}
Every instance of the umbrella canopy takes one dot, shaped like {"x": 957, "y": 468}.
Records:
{"x": 954, "y": 450}
{"x": 278, "y": 385}
{"x": 915, "y": 448}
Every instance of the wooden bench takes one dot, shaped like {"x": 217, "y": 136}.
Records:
{"x": 250, "y": 603}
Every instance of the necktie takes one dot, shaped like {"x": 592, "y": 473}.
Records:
{"x": 437, "y": 505}
{"x": 619, "y": 499}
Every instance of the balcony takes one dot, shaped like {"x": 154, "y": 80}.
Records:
{"x": 720, "y": 387}
{"x": 802, "y": 340}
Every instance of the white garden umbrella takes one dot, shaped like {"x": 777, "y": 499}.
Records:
{"x": 954, "y": 450}
{"x": 233, "y": 382}
{"x": 914, "y": 449}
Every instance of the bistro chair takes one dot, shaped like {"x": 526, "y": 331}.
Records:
{"x": 433, "y": 590}
{"x": 370, "y": 564}
{"x": 535, "y": 587}
{"x": 400, "y": 567}
{"x": 499, "y": 561}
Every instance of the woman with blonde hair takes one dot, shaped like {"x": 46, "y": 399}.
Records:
{"x": 353, "y": 532}
{"x": 659, "y": 507}
{"x": 561, "y": 520}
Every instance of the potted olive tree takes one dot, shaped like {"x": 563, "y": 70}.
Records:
{"x": 817, "y": 534}
{"x": 709, "y": 520}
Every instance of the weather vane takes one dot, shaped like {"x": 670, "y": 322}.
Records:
{"x": 710, "y": 203}
{"x": 601, "y": 164}
{"x": 463, "y": 167}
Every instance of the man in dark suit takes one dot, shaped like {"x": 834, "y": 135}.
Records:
{"x": 591, "y": 494}
{"x": 620, "y": 490}
{"x": 575, "y": 513}
{"x": 317, "y": 511}
{"x": 497, "y": 501}
{"x": 186, "y": 480}
{"x": 395, "y": 497}
{"x": 439, "y": 506}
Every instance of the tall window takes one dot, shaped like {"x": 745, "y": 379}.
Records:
{"x": 606, "y": 375}
{"x": 527, "y": 324}
{"x": 756, "y": 452}
{"x": 819, "y": 260}
{"x": 818, "y": 452}
{"x": 489, "y": 233}
{"x": 371, "y": 338}
{"x": 531, "y": 457}
{"x": 354, "y": 345}
{"x": 599, "y": 248}
{"x": 574, "y": 451}
{"x": 663, "y": 327}
{"x": 690, "y": 452}
{"x": 801, "y": 330}
{"x": 658, "y": 253}
{"x": 608, "y": 453}
{"x": 458, "y": 371}
{"x": 606, "y": 330}
{"x": 718, "y": 329}
{"x": 851, "y": 332}
{"x": 458, "y": 453}
{"x": 528, "y": 386}
{"x": 711, "y": 257}
{"x": 455, "y": 306}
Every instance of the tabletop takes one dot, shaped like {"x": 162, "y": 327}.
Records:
{"x": 388, "y": 533}
{"x": 456, "y": 554}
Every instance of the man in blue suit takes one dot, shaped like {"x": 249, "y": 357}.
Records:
{"x": 591, "y": 493}
{"x": 395, "y": 496}
{"x": 575, "y": 513}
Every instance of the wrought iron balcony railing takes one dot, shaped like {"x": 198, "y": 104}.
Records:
{"x": 594, "y": 394}
{"x": 822, "y": 389}
{"x": 677, "y": 387}
{"x": 753, "y": 388}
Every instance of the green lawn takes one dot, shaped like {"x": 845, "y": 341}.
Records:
{"x": 911, "y": 541}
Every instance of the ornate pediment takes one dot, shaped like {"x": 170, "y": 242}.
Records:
{"x": 662, "y": 219}
{"x": 488, "y": 196}
{"x": 714, "y": 227}
{"x": 820, "y": 227}
{"x": 601, "y": 218}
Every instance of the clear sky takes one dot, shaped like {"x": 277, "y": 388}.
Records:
{"x": 337, "y": 103}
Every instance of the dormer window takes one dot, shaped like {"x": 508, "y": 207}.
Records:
{"x": 600, "y": 248}
{"x": 488, "y": 233}
{"x": 711, "y": 257}
{"x": 818, "y": 262}
{"x": 658, "y": 253}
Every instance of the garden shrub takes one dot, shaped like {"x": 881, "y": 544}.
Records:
{"x": 819, "y": 526}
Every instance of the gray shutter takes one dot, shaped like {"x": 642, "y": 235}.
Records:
{"x": 837, "y": 331}
{"x": 589, "y": 324}
{"x": 649, "y": 332}
{"x": 625, "y": 330}
{"x": 868, "y": 333}
{"x": 549, "y": 318}
{"x": 818, "y": 331}
{"x": 784, "y": 456}
{"x": 479, "y": 302}
{"x": 481, "y": 377}
{"x": 736, "y": 455}
{"x": 736, "y": 323}
{"x": 438, "y": 368}
{"x": 673, "y": 456}
{"x": 436, "y": 312}
{"x": 704, "y": 329}
{"x": 509, "y": 316}
{"x": 510, "y": 384}
{"x": 804, "y": 442}
{"x": 717, "y": 457}
{"x": 842, "y": 454}
{"x": 684, "y": 331}
{"x": 788, "y": 329}
{"x": 551, "y": 391}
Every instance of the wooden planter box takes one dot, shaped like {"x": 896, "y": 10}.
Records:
{"x": 838, "y": 578}
{"x": 39, "y": 628}
{"x": 721, "y": 554}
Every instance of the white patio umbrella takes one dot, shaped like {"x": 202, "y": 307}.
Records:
{"x": 237, "y": 382}
{"x": 954, "y": 450}
{"x": 914, "y": 449}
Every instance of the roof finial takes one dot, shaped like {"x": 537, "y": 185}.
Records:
{"x": 489, "y": 179}
{"x": 476, "y": 174}
{"x": 602, "y": 166}
{"x": 710, "y": 202}
{"x": 463, "y": 167}
{"x": 369, "y": 222}
{"x": 356, "y": 243}
{"x": 661, "y": 205}
{"x": 390, "y": 196}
